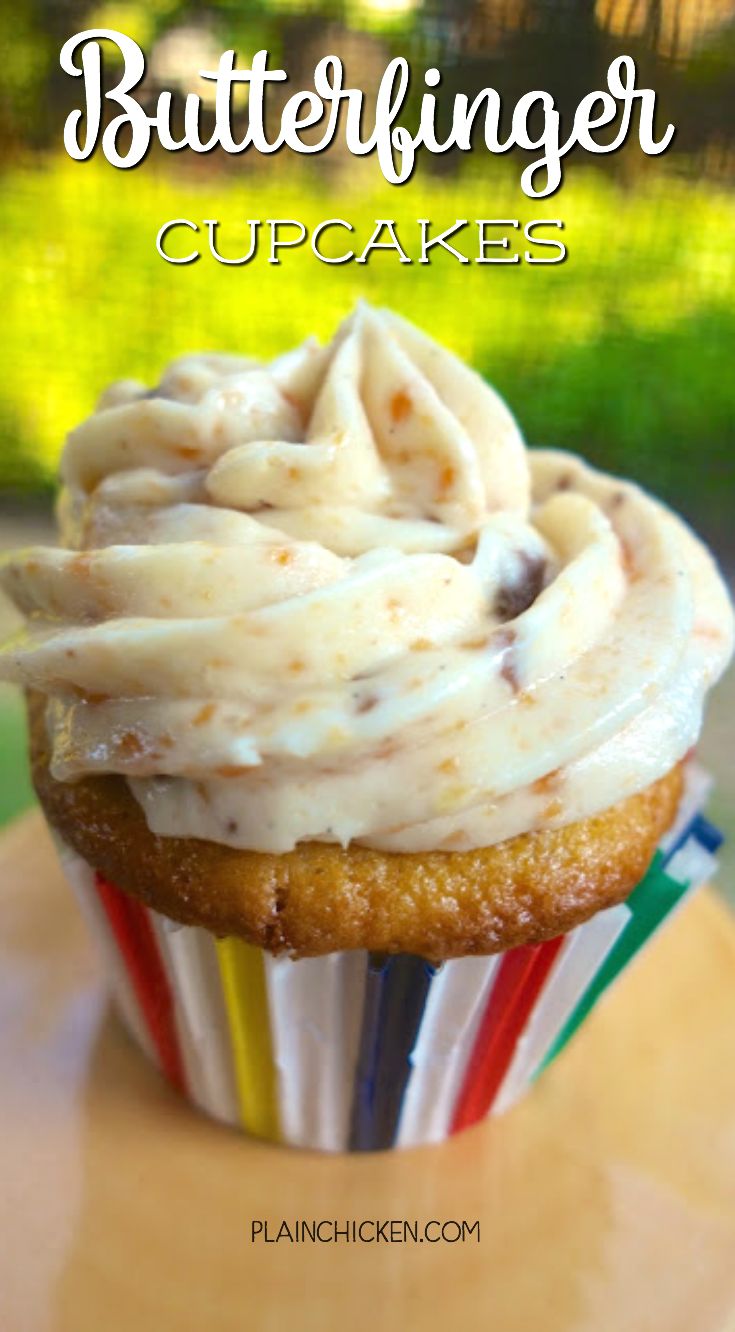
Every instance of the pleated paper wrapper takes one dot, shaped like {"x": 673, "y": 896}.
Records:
{"x": 358, "y": 1051}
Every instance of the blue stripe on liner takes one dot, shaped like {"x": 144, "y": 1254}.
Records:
{"x": 396, "y": 990}
{"x": 707, "y": 834}
{"x": 702, "y": 830}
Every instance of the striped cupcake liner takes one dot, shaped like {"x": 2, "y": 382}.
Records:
{"x": 358, "y": 1051}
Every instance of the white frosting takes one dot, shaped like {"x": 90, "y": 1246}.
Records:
{"x": 336, "y": 598}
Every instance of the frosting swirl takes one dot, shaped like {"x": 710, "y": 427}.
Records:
{"x": 336, "y": 598}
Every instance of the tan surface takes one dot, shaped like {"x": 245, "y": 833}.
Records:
{"x": 606, "y": 1201}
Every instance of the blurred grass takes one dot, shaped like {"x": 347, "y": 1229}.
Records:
{"x": 623, "y": 352}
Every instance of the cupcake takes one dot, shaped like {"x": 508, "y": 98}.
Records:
{"x": 365, "y": 732}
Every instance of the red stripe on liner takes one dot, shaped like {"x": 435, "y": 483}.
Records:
{"x": 519, "y": 981}
{"x": 137, "y": 942}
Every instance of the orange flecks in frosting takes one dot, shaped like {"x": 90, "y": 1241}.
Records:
{"x": 80, "y": 566}
{"x": 553, "y": 809}
{"x": 231, "y": 770}
{"x": 387, "y": 748}
{"x": 296, "y": 666}
{"x": 296, "y": 403}
{"x": 401, "y": 406}
{"x": 711, "y": 631}
{"x": 452, "y": 841}
{"x": 448, "y": 765}
{"x": 451, "y": 797}
{"x": 421, "y": 645}
{"x": 282, "y": 555}
{"x": 549, "y": 782}
{"x": 187, "y": 452}
{"x": 465, "y": 554}
{"x": 628, "y": 561}
{"x": 204, "y": 715}
{"x": 447, "y": 478}
{"x": 130, "y": 745}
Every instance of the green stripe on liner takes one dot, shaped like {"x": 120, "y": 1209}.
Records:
{"x": 656, "y": 895}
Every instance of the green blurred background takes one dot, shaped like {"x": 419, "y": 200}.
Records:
{"x": 626, "y": 352}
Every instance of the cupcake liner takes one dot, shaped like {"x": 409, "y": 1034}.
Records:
{"x": 357, "y": 1051}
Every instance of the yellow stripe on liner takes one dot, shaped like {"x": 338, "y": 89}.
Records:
{"x": 243, "y": 985}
